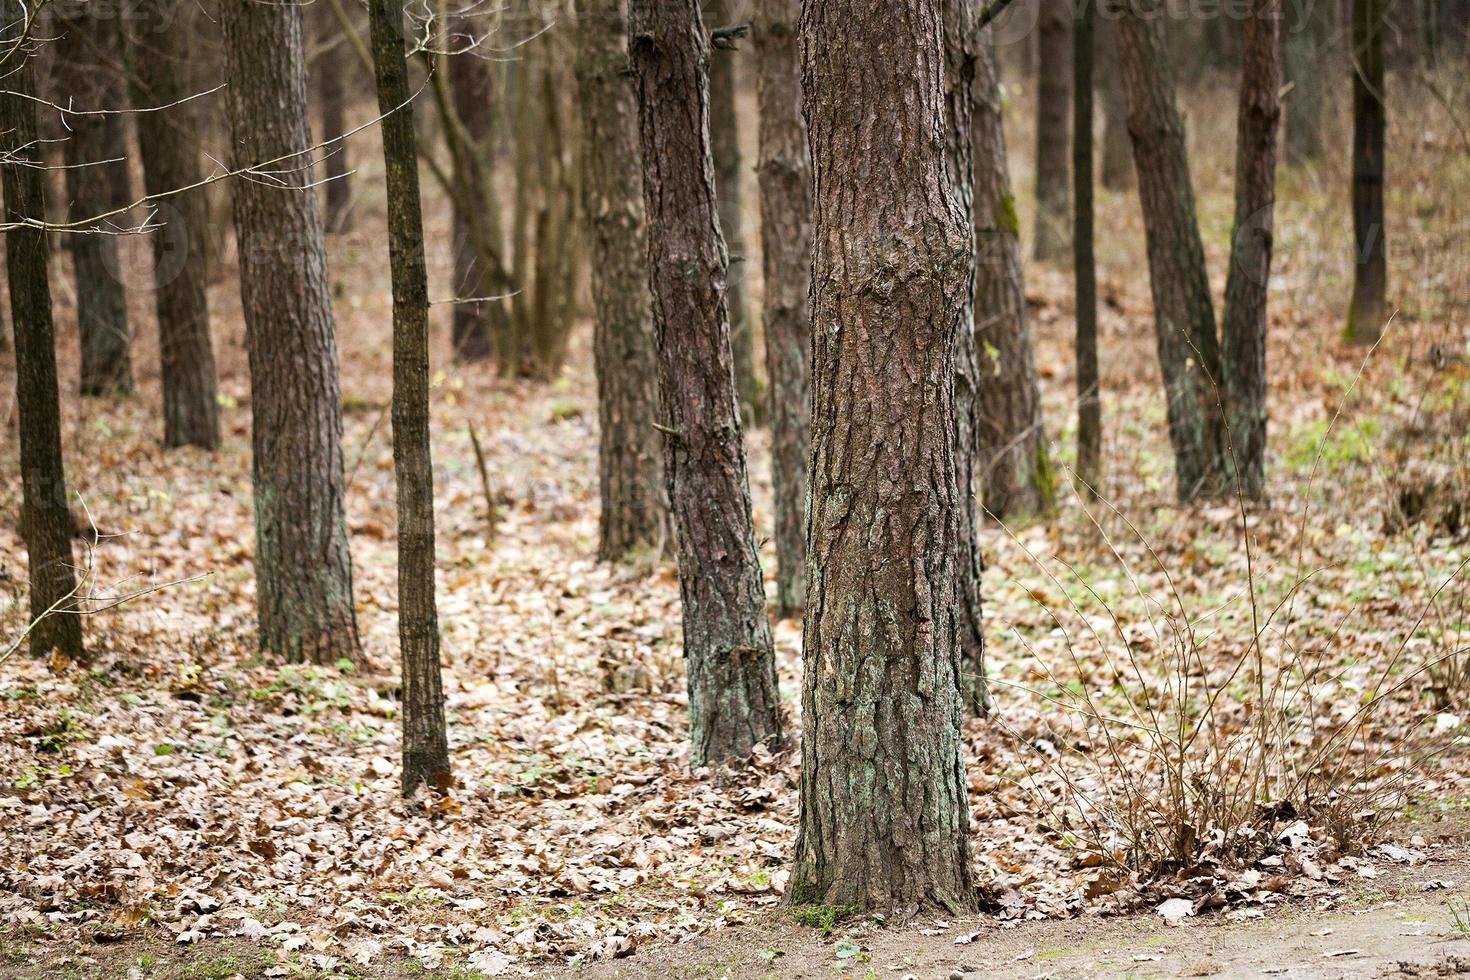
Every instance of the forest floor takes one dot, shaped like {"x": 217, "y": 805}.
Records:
{"x": 1276, "y": 691}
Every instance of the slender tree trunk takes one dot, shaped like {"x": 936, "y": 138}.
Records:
{"x": 302, "y": 564}
{"x": 725, "y": 137}
{"x": 331, "y": 93}
{"x": 1244, "y": 323}
{"x": 1117, "y": 155}
{"x": 425, "y": 742}
{"x": 95, "y": 153}
{"x": 884, "y": 822}
{"x": 1015, "y": 477}
{"x": 1306, "y": 36}
{"x": 45, "y": 521}
{"x": 1053, "y": 109}
{"x": 635, "y": 511}
{"x": 786, "y": 249}
{"x": 1365, "y": 318}
{"x": 1084, "y": 262}
{"x": 170, "y": 155}
{"x": 733, "y": 700}
{"x": 1184, "y": 313}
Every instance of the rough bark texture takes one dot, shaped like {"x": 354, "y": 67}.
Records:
{"x": 425, "y": 742}
{"x": 1053, "y": 112}
{"x": 302, "y": 564}
{"x": 884, "y": 823}
{"x": 1015, "y": 477}
{"x": 1117, "y": 153}
{"x": 1084, "y": 260}
{"x": 170, "y": 155}
{"x": 635, "y": 515}
{"x": 786, "y": 248}
{"x": 1305, "y": 45}
{"x": 725, "y": 138}
{"x": 1366, "y": 316}
{"x": 1244, "y": 323}
{"x": 733, "y": 699}
{"x": 1184, "y": 313}
{"x": 86, "y": 77}
{"x": 45, "y": 521}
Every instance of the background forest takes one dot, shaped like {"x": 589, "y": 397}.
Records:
{"x": 623, "y": 487}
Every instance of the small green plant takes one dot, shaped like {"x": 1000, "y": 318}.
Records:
{"x": 1460, "y": 917}
{"x": 824, "y": 917}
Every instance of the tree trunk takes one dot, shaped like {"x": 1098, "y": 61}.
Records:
{"x": 170, "y": 156}
{"x": 733, "y": 700}
{"x": 45, "y": 520}
{"x": 95, "y": 154}
{"x": 1306, "y": 37}
{"x": 425, "y": 742}
{"x": 725, "y": 137}
{"x": 786, "y": 250}
{"x": 635, "y": 511}
{"x": 1184, "y": 313}
{"x": 302, "y": 563}
{"x": 1084, "y": 262}
{"x": 1244, "y": 324}
{"x": 1053, "y": 109}
{"x": 884, "y": 822}
{"x": 331, "y": 93}
{"x": 1117, "y": 157}
{"x": 1015, "y": 477}
{"x": 1365, "y": 318}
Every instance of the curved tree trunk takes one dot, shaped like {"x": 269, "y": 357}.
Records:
{"x": 302, "y": 564}
{"x": 733, "y": 700}
{"x": 1053, "y": 110}
{"x": 884, "y": 823}
{"x": 1015, "y": 476}
{"x": 1244, "y": 323}
{"x": 95, "y": 153}
{"x": 1084, "y": 261}
{"x": 425, "y": 742}
{"x": 724, "y": 125}
{"x": 635, "y": 511}
{"x": 45, "y": 520}
{"x": 786, "y": 249}
{"x": 1366, "y": 316}
{"x": 1184, "y": 313}
{"x": 170, "y": 155}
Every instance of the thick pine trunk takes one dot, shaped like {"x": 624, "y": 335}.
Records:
{"x": 1305, "y": 44}
{"x": 786, "y": 247}
{"x": 45, "y": 520}
{"x": 1244, "y": 323}
{"x": 1366, "y": 316}
{"x": 1184, "y": 313}
{"x": 158, "y": 58}
{"x": 725, "y": 145}
{"x": 1015, "y": 476}
{"x": 1084, "y": 260}
{"x": 1117, "y": 153}
{"x": 635, "y": 515}
{"x": 86, "y": 78}
{"x": 1053, "y": 112}
{"x": 302, "y": 564}
{"x": 733, "y": 700}
{"x": 884, "y": 822}
{"x": 425, "y": 742}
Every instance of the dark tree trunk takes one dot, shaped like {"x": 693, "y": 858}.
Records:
{"x": 331, "y": 92}
{"x": 86, "y": 78}
{"x": 1244, "y": 323}
{"x": 725, "y": 138}
{"x": 1015, "y": 477}
{"x": 961, "y": 51}
{"x": 1053, "y": 110}
{"x": 1084, "y": 262}
{"x": 170, "y": 155}
{"x": 733, "y": 701}
{"x": 1305, "y": 43}
{"x": 45, "y": 520}
{"x": 425, "y": 742}
{"x": 302, "y": 564}
{"x": 1365, "y": 318}
{"x": 1117, "y": 153}
{"x": 1184, "y": 313}
{"x": 884, "y": 823}
{"x": 786, "y": 249}
{"x": 635, "y": 511}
